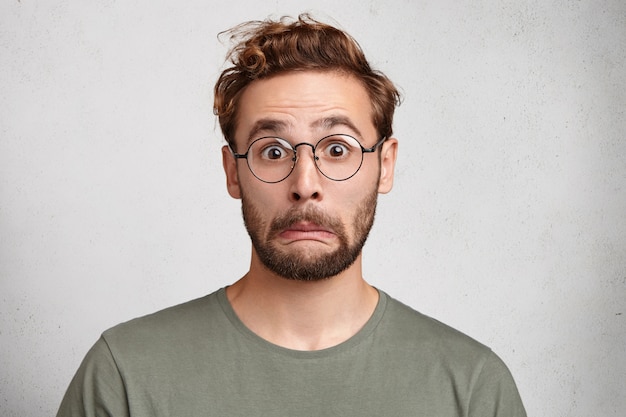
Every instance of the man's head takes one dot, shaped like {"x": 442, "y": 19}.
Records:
{"x": 266, "y": 48}
{"x": 300, "y": 103}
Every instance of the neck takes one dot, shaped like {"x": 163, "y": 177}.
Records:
{"x": 303, "y": 315}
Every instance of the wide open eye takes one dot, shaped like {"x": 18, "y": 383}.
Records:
{"x": 274, "y": 152}
{"x": 272, "y": 149}
{"x": 338, "y": 148}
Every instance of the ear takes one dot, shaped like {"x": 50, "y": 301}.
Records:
{"x": 230, "y": 169}
{"x": 389, "y": 154}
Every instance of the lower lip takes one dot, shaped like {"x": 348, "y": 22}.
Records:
{"x": 318, "y": 235}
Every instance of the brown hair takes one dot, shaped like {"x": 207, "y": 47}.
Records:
{"x": 266, "y": 48}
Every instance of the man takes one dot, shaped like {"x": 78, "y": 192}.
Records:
{"x": 309, "y": 131}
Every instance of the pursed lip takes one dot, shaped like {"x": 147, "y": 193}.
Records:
{"x": 307, "y": 231}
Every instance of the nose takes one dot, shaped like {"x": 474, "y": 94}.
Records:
{"x": 305, "y": 178}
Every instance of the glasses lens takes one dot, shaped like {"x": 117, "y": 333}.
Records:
{"x": 271, "y": 159}
{"x": 338, "y": 157}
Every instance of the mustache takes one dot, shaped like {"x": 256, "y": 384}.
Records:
{"x": 309, "y": 214}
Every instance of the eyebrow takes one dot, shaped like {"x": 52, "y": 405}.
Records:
{"x": 328, "y": 123}
{"x": 276, "y": 126}
{"x": 273, "y": 126}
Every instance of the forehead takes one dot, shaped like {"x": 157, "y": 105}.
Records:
{"x": 304, "y": 104}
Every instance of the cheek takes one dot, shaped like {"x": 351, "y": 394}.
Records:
{"x": 368, "y": 181}
{"x": 352, "y": 200}
{"x": 266, "y": 197}
{"x": 369, "y": 173}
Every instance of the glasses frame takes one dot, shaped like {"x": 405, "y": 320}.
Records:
{"x": 294, "y": 148}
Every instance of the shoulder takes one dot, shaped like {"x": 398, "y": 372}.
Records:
{"x": 145, "y": 354}
{"x": 414, "y": 324}
{"x": 433, "y": 354}
{"x": 427, "y": 336}
{"x": 166, "y": 329}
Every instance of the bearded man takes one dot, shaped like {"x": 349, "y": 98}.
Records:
{"x": 308, "y": 125}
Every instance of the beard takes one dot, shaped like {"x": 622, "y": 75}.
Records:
{"x": 303, "y": 265}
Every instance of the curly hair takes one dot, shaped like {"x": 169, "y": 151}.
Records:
{"x": 266, "y": 48}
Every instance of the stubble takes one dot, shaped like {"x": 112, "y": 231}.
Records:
{"x": 303, "y": 265}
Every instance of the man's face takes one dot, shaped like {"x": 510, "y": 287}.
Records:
{"x": 308, "y": 227}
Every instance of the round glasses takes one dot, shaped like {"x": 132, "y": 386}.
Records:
{"x": 337, "y": 157}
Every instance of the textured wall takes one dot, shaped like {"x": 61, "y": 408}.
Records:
{"x": 507, "y": 221}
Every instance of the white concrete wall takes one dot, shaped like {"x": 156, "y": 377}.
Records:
{"x": 508, "y": 219}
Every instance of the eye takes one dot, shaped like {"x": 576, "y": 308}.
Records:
{"x": 273, "y": 151}
{"x": 337, "y": 148}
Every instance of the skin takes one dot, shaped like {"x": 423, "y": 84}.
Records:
{"x": 306, "y": 315}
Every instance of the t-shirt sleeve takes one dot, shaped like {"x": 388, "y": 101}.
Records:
{"x": 494, "y": 393}
{"x": 97, "y": 389}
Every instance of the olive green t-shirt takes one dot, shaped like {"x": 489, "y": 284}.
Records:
{"x": 198, "y": 359}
